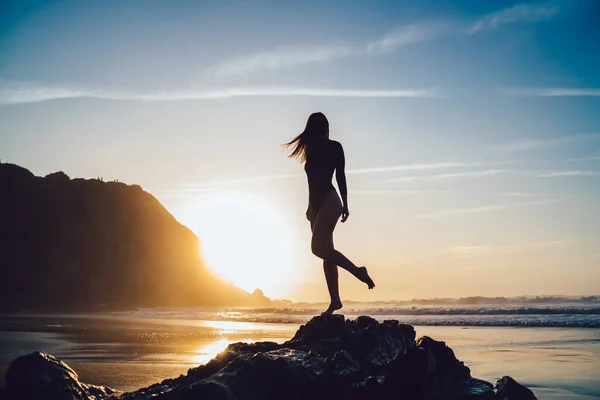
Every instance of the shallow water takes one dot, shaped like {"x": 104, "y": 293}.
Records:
{"x": 131, "y": 350}
{"x": 556, "y": 363}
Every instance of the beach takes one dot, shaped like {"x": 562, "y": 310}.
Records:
{"x": 129, "y": 350}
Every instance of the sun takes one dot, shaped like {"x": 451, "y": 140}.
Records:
{"x": 245, "y": 239}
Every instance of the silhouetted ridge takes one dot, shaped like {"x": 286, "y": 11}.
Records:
{"x": 79, "y": 244}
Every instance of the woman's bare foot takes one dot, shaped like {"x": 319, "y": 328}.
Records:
{"x": 366, "y": 278}
{"x": 337, "y": 305}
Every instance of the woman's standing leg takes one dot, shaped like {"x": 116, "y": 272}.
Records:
{"x": 331, "y": 276}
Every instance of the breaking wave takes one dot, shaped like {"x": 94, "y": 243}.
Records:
{"x": 574, "y": 313}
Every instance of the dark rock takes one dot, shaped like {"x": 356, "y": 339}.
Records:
{"x": 319, "y": 329}
{"x": 329, "y": 358}
{"x": 446, "y": 361}
{"x": 40, "y": 376}
{"x": 451, "y": 376}
{"x": 343, "y": 365}
{"x": 509, "y": 389}
{"x": 94, "y": 245}
{"x": 341, "y": 374}
{"x": 411, "y": 373}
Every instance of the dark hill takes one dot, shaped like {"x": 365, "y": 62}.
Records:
{"x": 77, "y": 245}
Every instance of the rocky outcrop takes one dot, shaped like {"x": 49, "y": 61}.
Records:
{"x": 78, "y": 245}
{"x": 38, "y": 376}
{"x": 328, "y": 358}
{"x": 509, "y": 389}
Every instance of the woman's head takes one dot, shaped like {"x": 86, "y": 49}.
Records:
{"x": 317, "y": 127}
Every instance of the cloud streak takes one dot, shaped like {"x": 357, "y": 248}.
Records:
{"x": 457, "y": 175}
{"x": 350, "y": 171}
{"x": 235, "y": 181}
{"x": 580, "y": 159}
{"x": 419, "y": 32}
{"x": 401, "y": 192}
{"x": 533, "y": 144}
{"x": 523, "y": 194}
{"x": 407, "y": 35}
{"x": 287, "y": 57}
{"x": 553, "y": 92}
{"x": 280, "y": 58}
{"x": 487, "y": 208}
{"x": 31, "y": 93}
{"x": 520, "y": 13}
{"x": 410, "y": 167}
{"x": 560, "y": 174}
{"x": 473, "y": 250}
{"x": 385, "y": 169}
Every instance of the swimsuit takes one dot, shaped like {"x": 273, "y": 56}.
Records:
{"x": 323, "y": 157}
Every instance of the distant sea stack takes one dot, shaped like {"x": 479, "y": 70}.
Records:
{"x": 86, "y": 245}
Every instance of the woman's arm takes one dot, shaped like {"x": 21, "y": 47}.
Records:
{"x": 340, "y": 177}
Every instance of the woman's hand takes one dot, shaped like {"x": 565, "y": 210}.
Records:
{"x": 345, "y": 213}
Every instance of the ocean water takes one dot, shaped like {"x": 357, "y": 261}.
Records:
{"x": 552, "y": 348}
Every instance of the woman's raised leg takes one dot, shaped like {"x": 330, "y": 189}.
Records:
{"x": 323, "y": 225}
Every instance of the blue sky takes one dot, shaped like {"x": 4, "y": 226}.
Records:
{"x": 471, "y": 128}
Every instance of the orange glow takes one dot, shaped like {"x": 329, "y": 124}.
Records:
{"x": 210, "y": 350}
{"x": 245, "y": 240}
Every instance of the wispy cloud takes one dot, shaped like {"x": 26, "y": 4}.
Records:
{"x": 406, "y": 35}
{"x": 523, "y": 194}
{"x": 280, "y": 58}
{"x": 234, "y": 181}
{"x": 552, "y": 92}
{"x": 520, "y": 13}
{"x": 526, "y": 145}
{"x": 350, "y": 171}
{"x": 463, "y": 251}
{"x": 596, "y": 158}
{"x": 30, "y": 93}
{"x": 456, "y": 175}
{"x": 183, "y": 190}
{"x": 375, "y": 170}
{"x": 287, "y": 57}
{"x": 487, "y": 208}
{"x": 410, "y": 167}
{"x": 475, "y": 250}
{"x": 559, "y": 174}
{"x": 419, "y": 32}
{"x": 400, "y": 192}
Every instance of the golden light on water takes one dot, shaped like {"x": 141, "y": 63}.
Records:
{"x": 245, "y": 240}
{"x": 239, "y": 331}
{"x": 228, "y": 327}
{"x": 209, "y": 351}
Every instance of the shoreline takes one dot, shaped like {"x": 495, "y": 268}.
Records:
{"x": 533, "y": 356}
{"x": 126, "y": 354}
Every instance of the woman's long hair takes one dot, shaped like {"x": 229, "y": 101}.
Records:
{"x": 317, "y": 127}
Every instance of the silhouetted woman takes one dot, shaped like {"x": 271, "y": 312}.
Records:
{"x": 322, "y": 157}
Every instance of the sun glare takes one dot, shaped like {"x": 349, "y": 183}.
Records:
{"x": 210, "y": 351}
{"x": 245, "y": 240}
